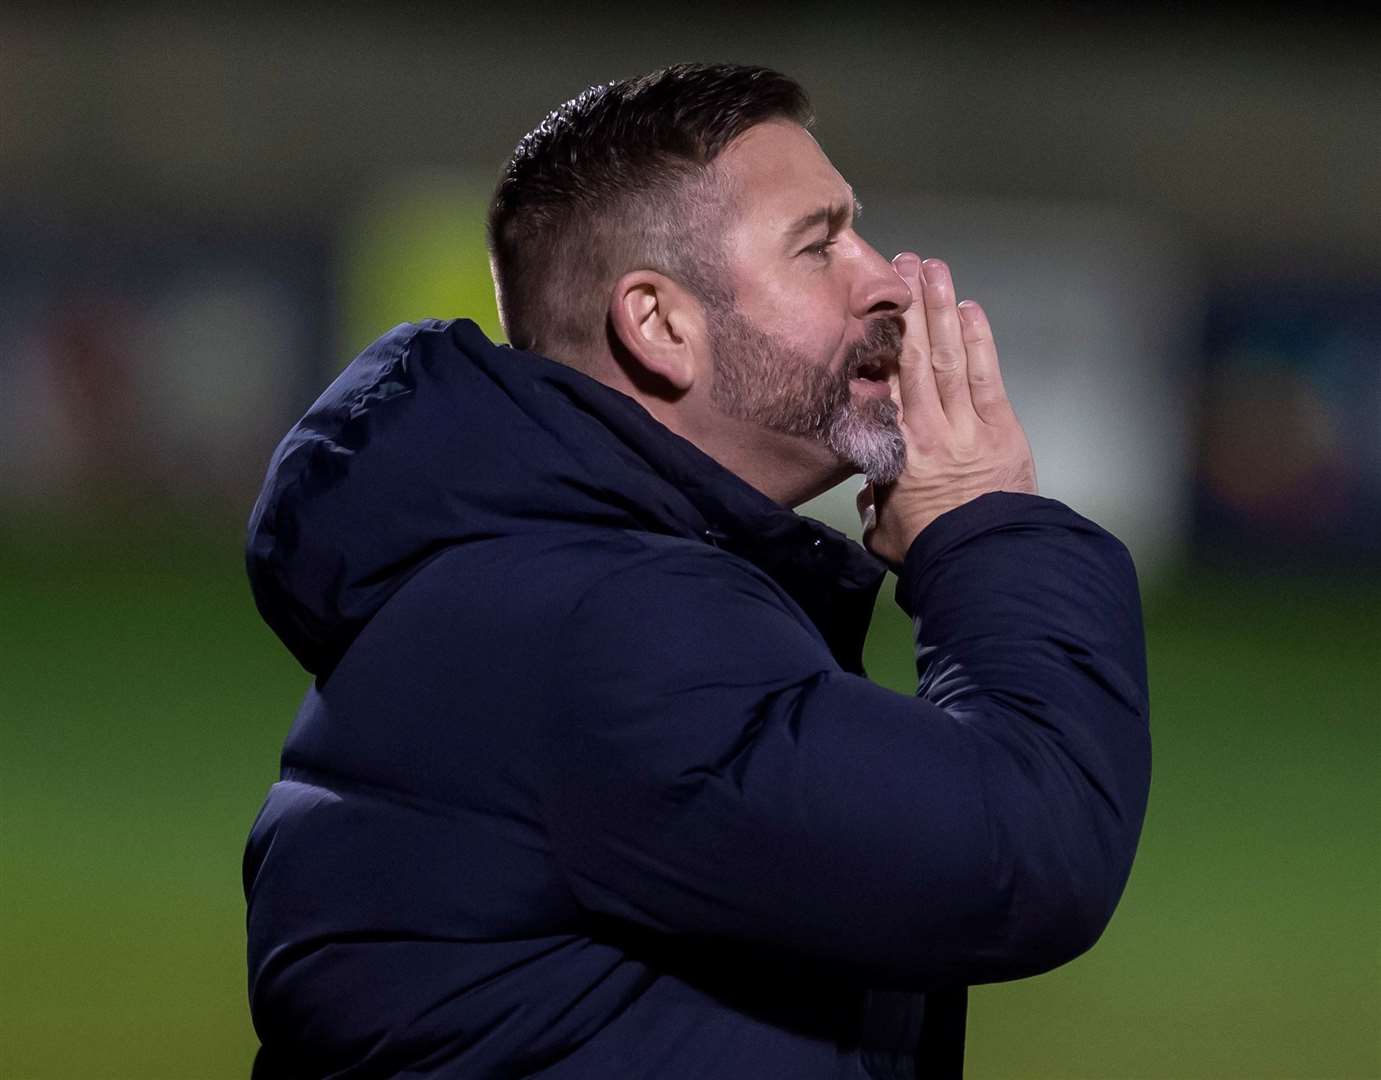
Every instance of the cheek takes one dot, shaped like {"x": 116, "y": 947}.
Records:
{"x": 805, "y": 314}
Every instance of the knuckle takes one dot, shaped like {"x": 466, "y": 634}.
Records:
{"x": 996, "y": 406}
{"x": 946, "y": 359}
{"x": 921, "y": 441}
{"x": 990, "y": 395}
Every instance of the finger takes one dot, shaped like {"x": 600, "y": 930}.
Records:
{"x": 948, "y": 358}
{"x": 985, "y": 376}
{"x": 864, "y": 499}
{"x": 867, "y": 512}
{"x": 919, "y": 398}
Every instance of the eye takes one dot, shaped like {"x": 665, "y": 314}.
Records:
{"x": 821, "y": 249}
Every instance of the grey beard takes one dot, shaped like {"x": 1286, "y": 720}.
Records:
{"x": 869, "y": 438}
{"x": 761, "y": 379}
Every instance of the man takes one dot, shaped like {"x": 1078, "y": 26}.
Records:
{"x": 590, "y": 782}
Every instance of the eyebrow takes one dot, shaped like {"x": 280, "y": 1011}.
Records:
{"x": 835, "y": 215}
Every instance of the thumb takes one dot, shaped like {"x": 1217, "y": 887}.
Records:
{"x": 867, "y": 511}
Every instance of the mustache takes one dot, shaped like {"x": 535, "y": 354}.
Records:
{"x": 880, "y": 347}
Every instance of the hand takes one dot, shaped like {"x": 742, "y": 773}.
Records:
{"x": 962, "y": 437}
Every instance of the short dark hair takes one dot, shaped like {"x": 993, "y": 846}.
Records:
{"x": 619, "y": 179}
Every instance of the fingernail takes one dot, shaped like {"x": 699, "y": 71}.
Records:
{"x": 968, "y": 311}
{"x": 934, "y": 271}
{"x": 906, "y": 263}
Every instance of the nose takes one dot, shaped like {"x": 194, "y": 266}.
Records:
{"x": 878, "y": 288}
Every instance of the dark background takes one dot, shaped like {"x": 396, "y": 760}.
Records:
{"x": 1171, "y": 218}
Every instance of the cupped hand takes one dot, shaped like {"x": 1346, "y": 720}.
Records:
{"x": 962, "y": 436}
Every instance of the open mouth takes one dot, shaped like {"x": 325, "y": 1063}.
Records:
{"x": 876, "y": 359}
{"x": 869, "y": 379}
{"x": 872, "y": 371}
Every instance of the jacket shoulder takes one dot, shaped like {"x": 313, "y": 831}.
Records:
{"x": 561, "y": 571}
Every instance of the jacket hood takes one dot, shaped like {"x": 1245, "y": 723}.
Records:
{"x": 434, "y": 436}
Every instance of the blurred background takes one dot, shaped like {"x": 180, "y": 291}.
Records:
{"x": 1171, "y": 218}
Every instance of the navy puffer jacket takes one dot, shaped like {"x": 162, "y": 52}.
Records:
{"x": 590, "y": 782}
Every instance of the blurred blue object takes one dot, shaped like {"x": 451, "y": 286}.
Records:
{"x": 1290, "y": 440}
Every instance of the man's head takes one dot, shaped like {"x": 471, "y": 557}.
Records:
{"x": 617, "y": 178}
{"x": 686, "y": 227}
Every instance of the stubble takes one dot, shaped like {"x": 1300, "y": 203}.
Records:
{"x": 769, "y": 382}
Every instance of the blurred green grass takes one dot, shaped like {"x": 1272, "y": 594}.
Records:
{"x": 142, "y": 706}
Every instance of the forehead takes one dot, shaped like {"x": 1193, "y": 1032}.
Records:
{"x": 778, "y": 172}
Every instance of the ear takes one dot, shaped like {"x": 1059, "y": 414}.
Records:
{"x": 661, "y": 325}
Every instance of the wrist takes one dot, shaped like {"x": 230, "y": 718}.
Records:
{"x": 991, "y": 512}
